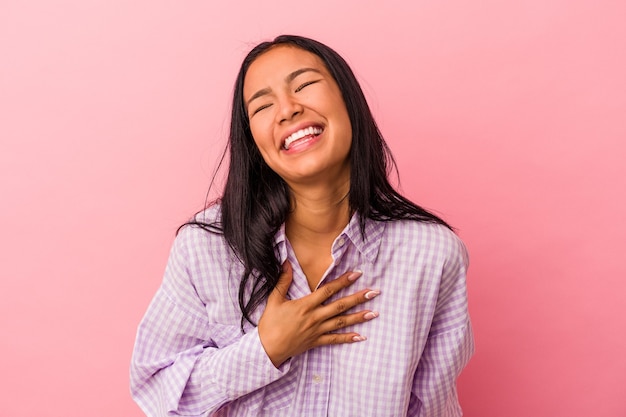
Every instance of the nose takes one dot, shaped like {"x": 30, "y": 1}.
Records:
{"x": 289, "y": 108}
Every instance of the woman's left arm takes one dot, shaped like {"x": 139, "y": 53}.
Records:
{"x": 449, "y": 346}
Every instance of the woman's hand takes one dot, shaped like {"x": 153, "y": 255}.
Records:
{"x": 290, "y": 327}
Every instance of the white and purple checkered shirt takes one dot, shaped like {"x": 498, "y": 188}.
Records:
{"x": 191, "y": 359}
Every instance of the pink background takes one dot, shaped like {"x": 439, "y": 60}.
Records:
{"x": 508, "y": 118}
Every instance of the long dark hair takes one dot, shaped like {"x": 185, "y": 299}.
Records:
{"x": 256, "y": 201}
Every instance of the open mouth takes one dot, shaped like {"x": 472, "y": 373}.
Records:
{"x": 302, "y": 134}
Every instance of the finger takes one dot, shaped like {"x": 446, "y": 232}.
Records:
{"x": 338, "y": 339}
{"x": 326, "y": 291}
{"x": 344, "y": 304}
{"x": 339, "y": 322}
{"x": 282, "y": 286}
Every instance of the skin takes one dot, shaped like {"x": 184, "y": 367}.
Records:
{"x": 298, "y": 91}
{"x": 287, "y": 89}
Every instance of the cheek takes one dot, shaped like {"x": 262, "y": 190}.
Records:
{"x": 261, "y": 131}
{"x": 346, "y": 128}
{"x": 260, "y": 139}
{"x": 264, "y": 147}
{"x": 339, "y": 109}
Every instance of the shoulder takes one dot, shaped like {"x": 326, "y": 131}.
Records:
{"x": 210, "y": 215}
{"x": 200, "y": 259}
{"x": 428, "y": 239}
{"x": 201, "y": 236}
{"x": 202, "y": 222}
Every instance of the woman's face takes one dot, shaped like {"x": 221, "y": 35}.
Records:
{"x": 298, "y": 117}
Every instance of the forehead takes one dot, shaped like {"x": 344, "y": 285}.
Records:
{"x": 275, "y": 64}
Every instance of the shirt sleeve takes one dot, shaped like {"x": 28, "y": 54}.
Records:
{"x": 177, "y": 369}
{"x": 449, "y": 346}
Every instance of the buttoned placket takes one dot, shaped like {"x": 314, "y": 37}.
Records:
{"x": 315, "y": 366}
{"x": 319, "y": 360}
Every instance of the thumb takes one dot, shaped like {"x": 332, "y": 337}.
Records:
{"x": 284, "y": 282}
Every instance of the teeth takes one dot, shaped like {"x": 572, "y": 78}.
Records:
{"x": 312, "y": 130}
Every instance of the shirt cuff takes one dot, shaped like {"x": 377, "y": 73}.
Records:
{"x": 244, "y": 366}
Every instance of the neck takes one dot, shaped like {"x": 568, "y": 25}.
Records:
{"x": 318, "y": 214}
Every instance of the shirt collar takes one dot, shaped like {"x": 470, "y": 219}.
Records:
{"x": 368, "y": 244}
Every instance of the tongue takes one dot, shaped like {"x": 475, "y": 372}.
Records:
{"x": 301, "y": 140}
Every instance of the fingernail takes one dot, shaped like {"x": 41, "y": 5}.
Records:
{"x": 354, "y": 275}
{"x": 371, "y": 294}
{"x": 370, "y": 315}
{"x": 359, "y": 338}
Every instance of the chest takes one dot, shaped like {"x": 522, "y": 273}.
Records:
{"x": 314, "y": 259}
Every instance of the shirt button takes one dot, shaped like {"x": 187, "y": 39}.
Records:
{"x": 317, "y": 379}
{"x": 341, "y": 241}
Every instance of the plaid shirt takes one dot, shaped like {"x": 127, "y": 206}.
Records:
{"x": 191, "y": 359}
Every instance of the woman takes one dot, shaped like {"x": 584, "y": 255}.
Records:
{"x": 311, "y": 287}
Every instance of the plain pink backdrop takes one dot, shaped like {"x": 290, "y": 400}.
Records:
{"x": 507, "y": 118}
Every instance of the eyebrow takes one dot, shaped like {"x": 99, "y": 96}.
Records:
{"x": 289, "y": 78}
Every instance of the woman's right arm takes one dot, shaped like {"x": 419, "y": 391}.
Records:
{"x": 175, "y": 369}
{"x": 176, "y": 366}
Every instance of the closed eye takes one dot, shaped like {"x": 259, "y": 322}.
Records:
{"x": 263, "y": 107}
{"x": 301, "y": 86}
